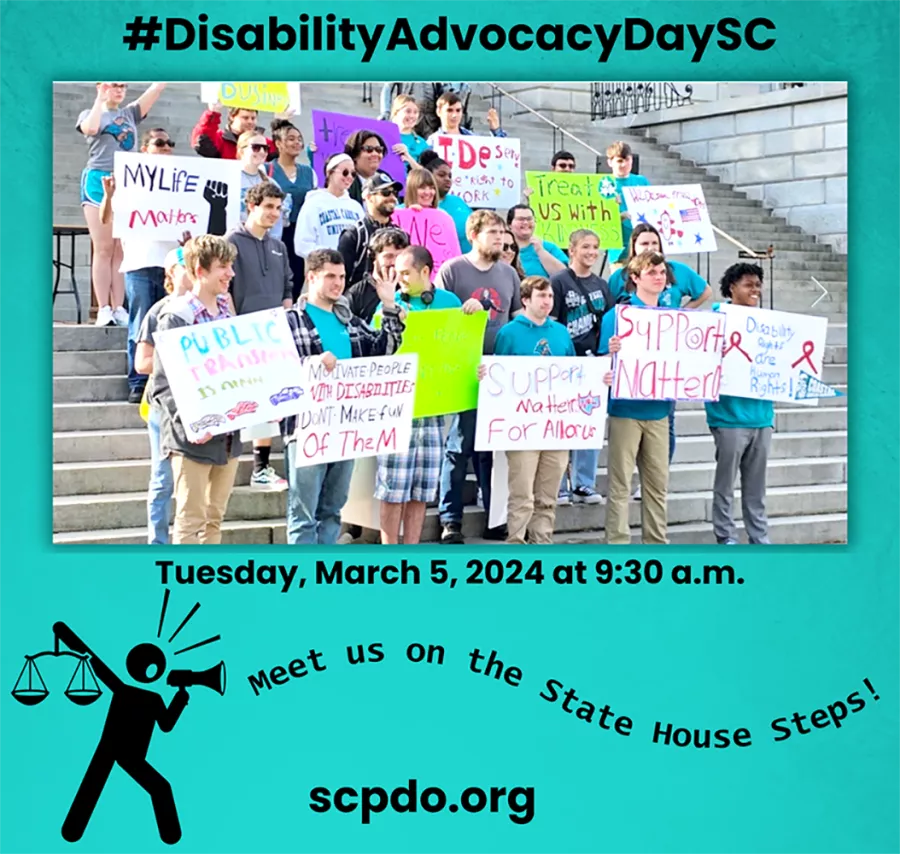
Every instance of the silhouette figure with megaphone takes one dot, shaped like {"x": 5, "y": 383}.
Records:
{"x": 133, "y": 713}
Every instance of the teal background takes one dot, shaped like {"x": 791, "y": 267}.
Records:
{"x": 803, "y": 631}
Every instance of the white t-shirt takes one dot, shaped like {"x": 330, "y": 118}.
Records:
{"x": 138, "y": 253}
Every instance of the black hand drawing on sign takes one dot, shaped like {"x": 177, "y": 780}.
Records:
{"x": 216, "y": 193}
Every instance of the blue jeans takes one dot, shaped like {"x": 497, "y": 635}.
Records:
{"x": 162, "y": 485}
{"x": 316, "y": 496}
{"x": 671, "y": 432}
{"x": 583, "y": 465}
{"x": 461, "y": 446}
{"x": 143, "y": 288}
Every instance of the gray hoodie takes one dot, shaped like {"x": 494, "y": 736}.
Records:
{"x": 262, "y": 273}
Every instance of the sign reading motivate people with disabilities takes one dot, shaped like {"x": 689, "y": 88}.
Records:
{"x": 564, "y": 202}
{"x": 262, "y": 97}
{"x": 679, "y": 213}
{"x": 362, "y": 408}
{"x": 528, "y": 403}
{"x": 774, "y": 355}
{"x": 160, "y": 198}
{"x": 330, "y": 132}
{"x": 486, "y": 169}
{"x": 432, "y": 228}
{"x": 232, "y": 373}
{"x": 668, "y": 354}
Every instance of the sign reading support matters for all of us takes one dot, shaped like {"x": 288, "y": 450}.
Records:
{"x": 486, "y": 169}
{"x": 668, "y": 354}
{"x": 232, "y": 373}
{"x": 160, "y": 198}
{"x": 528, "y": 403}
{"x": 362, "y": 408}
{"x": 774, "y": 355}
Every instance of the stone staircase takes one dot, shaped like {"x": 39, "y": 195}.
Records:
{"x": 100, "y": 445}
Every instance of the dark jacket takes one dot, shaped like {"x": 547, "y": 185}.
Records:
{"x": 262, "y": 271}
{"x": 353, "y": 244}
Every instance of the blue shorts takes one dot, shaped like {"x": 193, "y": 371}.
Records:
{"x": 92, "y": 186}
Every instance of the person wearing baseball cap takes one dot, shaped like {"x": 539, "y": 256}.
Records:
{"x": 379, "y": 193}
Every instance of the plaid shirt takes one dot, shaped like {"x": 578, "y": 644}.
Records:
{"x": 201, "y": 312}
{"x": 364, "y": 340}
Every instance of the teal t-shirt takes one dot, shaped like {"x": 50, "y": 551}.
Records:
{"x": 743, "y": 412}
{"x": 627, "y": 225}
{"x": 442, "y": 299}
{"x": 687, "y": 284}
{"x": 415, "y": 144}
{"x": 639, "y": 410}
{"x": 459, "y": 212}
{"x": 334, "y": 334}
{"x": 522, "y": 337}
{"x": 531, "y": 264}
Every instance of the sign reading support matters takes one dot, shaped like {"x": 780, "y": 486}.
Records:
{"x": 364, "y": 407}
{"x": 232, "y": 373}
{"x": 486, "y": 169}
{"x": 678, "y": 213}
{"x": 528, "y": 403}
{"x": 668, "y": 354}
{"x": 160, "y": 198}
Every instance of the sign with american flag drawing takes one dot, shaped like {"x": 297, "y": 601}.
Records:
{"x": 679, "y": 213}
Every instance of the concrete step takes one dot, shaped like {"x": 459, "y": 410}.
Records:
{"x": 90, "y": 363}
{"x": 98, "y": 387}
{"x": 101, "y": 415}
{"x": 84, "y": 336}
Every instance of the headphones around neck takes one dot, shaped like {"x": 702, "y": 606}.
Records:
{"x": 427, "y": 297}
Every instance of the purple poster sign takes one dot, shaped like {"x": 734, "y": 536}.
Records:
{"x": 330, "y": 132}
{"x": 434, "y": 229}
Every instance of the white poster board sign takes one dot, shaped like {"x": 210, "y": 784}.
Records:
{"x": 679, "y": 213}
{"x": 262, "y": 97}
{"x": 362, "y": 408}
{"x": 486, "y": 169}
{"x": 232, "y": 373}
{"x": 542, "y": 403}
{"x": 772, "y": 355}
{"x": 668, "y": 354}
{"x": 159, "y": 197}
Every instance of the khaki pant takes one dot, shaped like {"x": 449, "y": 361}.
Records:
{"x": 648, "y": 443}
{"x": 533, "y": 489}
{"x": 201, "y": 497}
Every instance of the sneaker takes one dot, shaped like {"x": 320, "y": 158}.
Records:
{"x": 345, "y": 539}
{"x": 563, "y": 499}
{"x": 636, "y": 495}
{"x": 268, "y": 481}
{"x": 586, "y": 495}
{"x": 120, "y": 316}
{"x": 498, "y": 533}
{"x": 451, "y": 534}
{"x": 104, "y": 316}
{"x": 136, "y": 395}
{"x": 729, "y": 543}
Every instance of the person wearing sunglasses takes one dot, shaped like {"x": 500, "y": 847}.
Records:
{"x": 509, "y": 254}
{"x": 327, "y": 212}
{"x": 108, "y": 127}
{"x": 253, "y": 149}
{"x": 143, "y": 264}
{"x": 366, "y": 149}
{"x": 208, "y": 138}
{"x": 379, "y": 198}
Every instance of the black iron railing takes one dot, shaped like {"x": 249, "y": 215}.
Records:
{"x": 611, "y": 100}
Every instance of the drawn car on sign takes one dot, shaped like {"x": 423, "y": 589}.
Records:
{"x": 207, "y": 421}
{"x": 245, "y": 407}
{"x": 291, "y": 392}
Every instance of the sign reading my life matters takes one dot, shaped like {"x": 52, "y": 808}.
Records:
{"x": 773, "y": 355}
{"x": 161, "y": 197}
{"x": 330, "y": 132}
{"x": 541, "y": 402}
{"x": 362, "y": 408}
{"x": 668, "y": 354}
{"x": 432, "y": 228}
{"x": 486, "y": 169}
{"x": 679, "y": 213}
{"x": 232, "y": 373}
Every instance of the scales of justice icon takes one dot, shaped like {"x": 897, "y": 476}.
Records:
{"x": 83, "y": 688}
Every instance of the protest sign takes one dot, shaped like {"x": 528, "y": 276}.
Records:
{"x": 679, "y": 213}
{"x": 262, "y": 97}
{"x": 541, "y": 403}
{"x": 362, "y": 408}
{"x": 486, "y": 170}
{"x": 432, "y": 228}
{"x": 563, "y": 202}
{"x": 773, "y": 355}
{"x": 361, "y": 507}
{"x": 668, "y": 354}
{"x": 160, "y": 198}
{"x": 445, "y": 385}
{"x": 330, "y": 132}
{"x": 232, "y": 373}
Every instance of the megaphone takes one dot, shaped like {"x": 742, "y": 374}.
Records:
{"x": 213, "y": 677}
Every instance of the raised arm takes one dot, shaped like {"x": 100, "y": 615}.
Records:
{"x": 150, "y": 97}
{"x": 90, "y": 125}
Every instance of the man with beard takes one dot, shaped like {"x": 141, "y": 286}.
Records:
{"x": 380, "y": 198}
{"x": 482, "y": 282}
